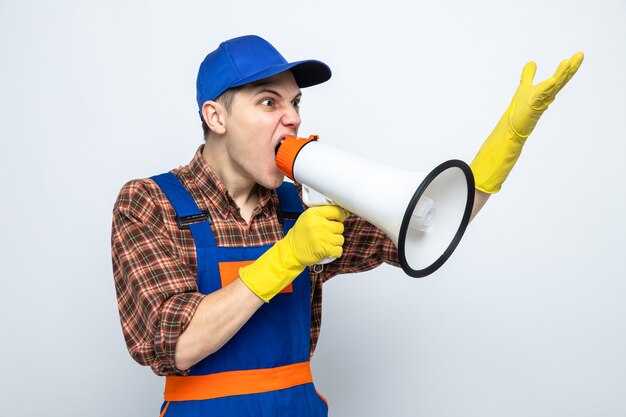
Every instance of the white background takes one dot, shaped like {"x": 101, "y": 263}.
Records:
{"x": 527, "y": 317}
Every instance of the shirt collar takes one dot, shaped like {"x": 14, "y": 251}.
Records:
{"x": 212, "y": 188}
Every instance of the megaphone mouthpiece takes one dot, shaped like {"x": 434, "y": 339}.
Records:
{"x": 288, "y": 151}
{"x": 423, "y": 217}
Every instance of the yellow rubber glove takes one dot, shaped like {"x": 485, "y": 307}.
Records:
{"x": 317, "y": 234}
{"x": 500, "y": 151}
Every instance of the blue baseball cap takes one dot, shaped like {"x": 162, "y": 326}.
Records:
{"x": 248, "y": 59}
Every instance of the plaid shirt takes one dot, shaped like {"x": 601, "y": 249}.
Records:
{"x": 154, "y": 262}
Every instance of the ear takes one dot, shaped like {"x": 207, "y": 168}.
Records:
{"x": 214, "y": 114}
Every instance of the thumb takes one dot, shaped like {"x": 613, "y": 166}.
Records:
{"x": 528, "y": 73}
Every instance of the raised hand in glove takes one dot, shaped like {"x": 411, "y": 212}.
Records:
{"x": 500, "y": 151}
{"x": 317, "y": 234}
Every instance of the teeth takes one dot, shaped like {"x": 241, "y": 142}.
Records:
{"x": 279, "y": 143}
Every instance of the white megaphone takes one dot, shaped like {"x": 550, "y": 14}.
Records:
{"x": 424, "y": 214}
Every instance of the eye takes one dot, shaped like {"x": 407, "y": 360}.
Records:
{"x": 268, "y": 102}
{"x": 296, "y": 103}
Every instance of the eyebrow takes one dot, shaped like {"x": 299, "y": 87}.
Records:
{"x": 261, "y": 88}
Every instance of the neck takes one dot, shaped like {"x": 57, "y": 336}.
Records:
{"x": 241, "y": 188}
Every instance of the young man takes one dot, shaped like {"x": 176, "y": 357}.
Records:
{"x": 212, "y": 269}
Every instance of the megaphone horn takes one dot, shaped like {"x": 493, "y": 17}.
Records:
{"x": 425, "y": 215}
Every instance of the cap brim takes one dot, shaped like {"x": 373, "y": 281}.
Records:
{"x": 306, "y": 73}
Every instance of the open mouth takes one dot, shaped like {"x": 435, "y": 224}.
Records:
{"x": 278, "y": 146}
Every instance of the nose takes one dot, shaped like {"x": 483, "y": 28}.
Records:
{"x": 291, "y": 118}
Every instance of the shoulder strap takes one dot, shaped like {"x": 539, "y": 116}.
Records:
{"x": 290, "y": 205}
{"x": 188, "y": 214}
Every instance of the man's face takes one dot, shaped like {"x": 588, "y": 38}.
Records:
{"x": 262, "y": 114}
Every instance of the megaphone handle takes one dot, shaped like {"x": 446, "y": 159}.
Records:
{"x": 326, "y": 261}
{"x": 314, "y": 198}
{"x": 319, "y": 267}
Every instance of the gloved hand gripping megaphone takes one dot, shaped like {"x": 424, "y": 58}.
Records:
{"x": 424, "y": 214}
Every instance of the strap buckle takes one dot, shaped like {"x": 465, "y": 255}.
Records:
{"x": 287, "y": 215}
{"x": 185, "y": 221}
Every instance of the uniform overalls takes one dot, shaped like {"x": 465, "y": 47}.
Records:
{"x": 264, "y": 369}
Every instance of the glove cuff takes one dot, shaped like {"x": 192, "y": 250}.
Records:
{"x": 497, "y": 156}
{"x": 272, "y": 271}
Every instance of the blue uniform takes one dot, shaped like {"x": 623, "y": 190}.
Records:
{"x": 276, "y": 338}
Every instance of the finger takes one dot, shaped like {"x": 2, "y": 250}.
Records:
{"x": 335, "y": 252}
{"x": 331, "y": 212}
{"x": 335, "y": 240}
{"x": 334, "y": 227}
{"x": 528, "y": 73}
{"x": 574, "y": 64}
{"x": 560, "y": 75}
